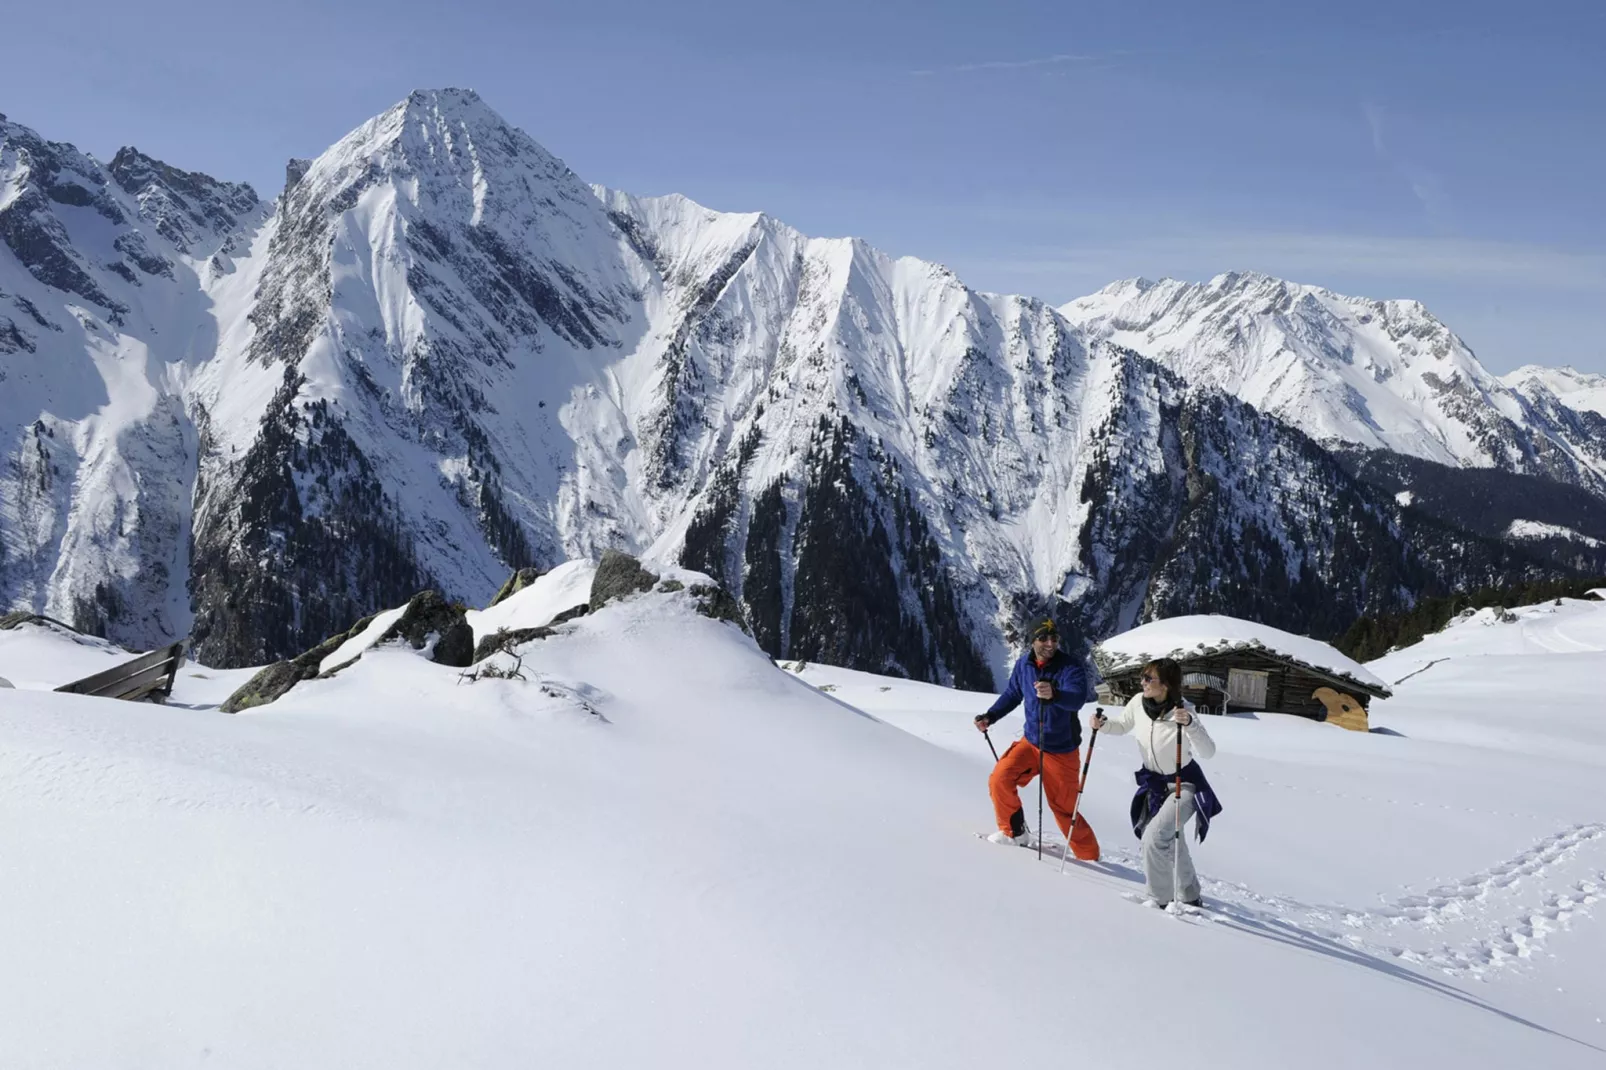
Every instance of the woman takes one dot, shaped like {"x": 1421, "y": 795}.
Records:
{"x": 1157, "y": 717}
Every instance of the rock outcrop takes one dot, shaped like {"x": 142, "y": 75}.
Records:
{"x": 429, "y": 623}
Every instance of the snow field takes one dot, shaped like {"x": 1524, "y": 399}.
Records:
{"x": 564, "y": 587}
{"x": 722, "y": 866}
{"x": 1460, "y": 842}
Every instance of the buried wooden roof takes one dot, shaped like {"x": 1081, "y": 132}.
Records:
{"x": 1189, "y": 640}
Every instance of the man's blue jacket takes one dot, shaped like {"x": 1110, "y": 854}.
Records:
{"x": 1054, "y": 725}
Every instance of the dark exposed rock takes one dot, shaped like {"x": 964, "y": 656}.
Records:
{"x": 38, "y": 239}
{"x": 618, "y": 575}
{"x": 713, "y": 601}
{"x": 570, "y": 614}
{"x": 507, "y": 639}
{"x": 13, "y": 338}
{"x": 517, "y": 278}
{"x": 455, "y": 646}
{"x": 272, "y": 682}
{"x": 71, "y": 193}
{"x": 520, "y": 579}
{"x": 269, "y": 684}
{"x": 132, "y": 245}
{"x": 428, "y": 617}
{"x": 294, "y": 172}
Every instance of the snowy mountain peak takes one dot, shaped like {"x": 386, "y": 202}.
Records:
{"x": 447, "y": 128}
{"x": 1581, "y": 391}
{"x": 1353, "y": 372}
{"x": 186, "y": 207}
{"x": 40, "y": 183}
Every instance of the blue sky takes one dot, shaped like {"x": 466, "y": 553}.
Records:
{"x": 1450, "y": 151}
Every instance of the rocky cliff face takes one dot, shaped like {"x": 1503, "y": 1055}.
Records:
{"x": 439, "y": 356}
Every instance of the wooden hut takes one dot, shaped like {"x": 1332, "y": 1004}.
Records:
{"x": 1232, "y": 664}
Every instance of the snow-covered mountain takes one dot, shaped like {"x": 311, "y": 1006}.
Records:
{"x": 1579, "y": 391}
{"x": 440, "y": 355}
{"x": 110, "y": 283}
{"x": 1351, "y": 372}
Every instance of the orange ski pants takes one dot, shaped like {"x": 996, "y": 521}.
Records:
{"x": 1061, "y": 784}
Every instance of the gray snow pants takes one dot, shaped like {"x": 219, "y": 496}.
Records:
{"x": 1158, "y": 838}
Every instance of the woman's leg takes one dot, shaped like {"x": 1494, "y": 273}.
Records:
{"x": 1159, "y": 840}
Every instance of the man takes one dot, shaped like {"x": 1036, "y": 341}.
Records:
{"x": 1051, "y": 684}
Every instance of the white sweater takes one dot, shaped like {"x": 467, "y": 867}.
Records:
{"x": 1157, "y": 740}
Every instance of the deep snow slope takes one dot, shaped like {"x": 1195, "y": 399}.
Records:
{"x": 658, "y": 849}
{"x": 1382, "y": 375}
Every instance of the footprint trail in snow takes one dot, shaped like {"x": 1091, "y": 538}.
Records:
{"x": 1497, "y": 918}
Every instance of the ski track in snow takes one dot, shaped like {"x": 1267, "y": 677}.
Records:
{"x": 1512, "y": 927}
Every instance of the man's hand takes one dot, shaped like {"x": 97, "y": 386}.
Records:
{"x": 1099, "y": 720}
{"x": 982, "y": 723}
{"x": 1183, "y": 717}
{"x": 1045, "y": 690}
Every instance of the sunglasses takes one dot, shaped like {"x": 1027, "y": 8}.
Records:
{"x": 1150, "y": 678}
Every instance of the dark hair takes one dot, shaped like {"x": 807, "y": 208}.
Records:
{"x": 1170, "y": 674}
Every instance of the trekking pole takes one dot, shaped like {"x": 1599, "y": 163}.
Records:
{"x": 1040, "y": 793}
{"x": 1176, "y": 838}
{"x": 1081, "y": 786}
{"x": 990, "y": 746}
{"x": 1042, "y": 737}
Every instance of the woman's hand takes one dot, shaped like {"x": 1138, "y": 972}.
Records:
{"x": 1099, "y": 721}
{"x": 1183, "y": 717}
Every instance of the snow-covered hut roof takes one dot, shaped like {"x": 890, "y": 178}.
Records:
{"x": 1182, "y": 638}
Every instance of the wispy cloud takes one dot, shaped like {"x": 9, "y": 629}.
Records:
{"x": 1424, "y": 184}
